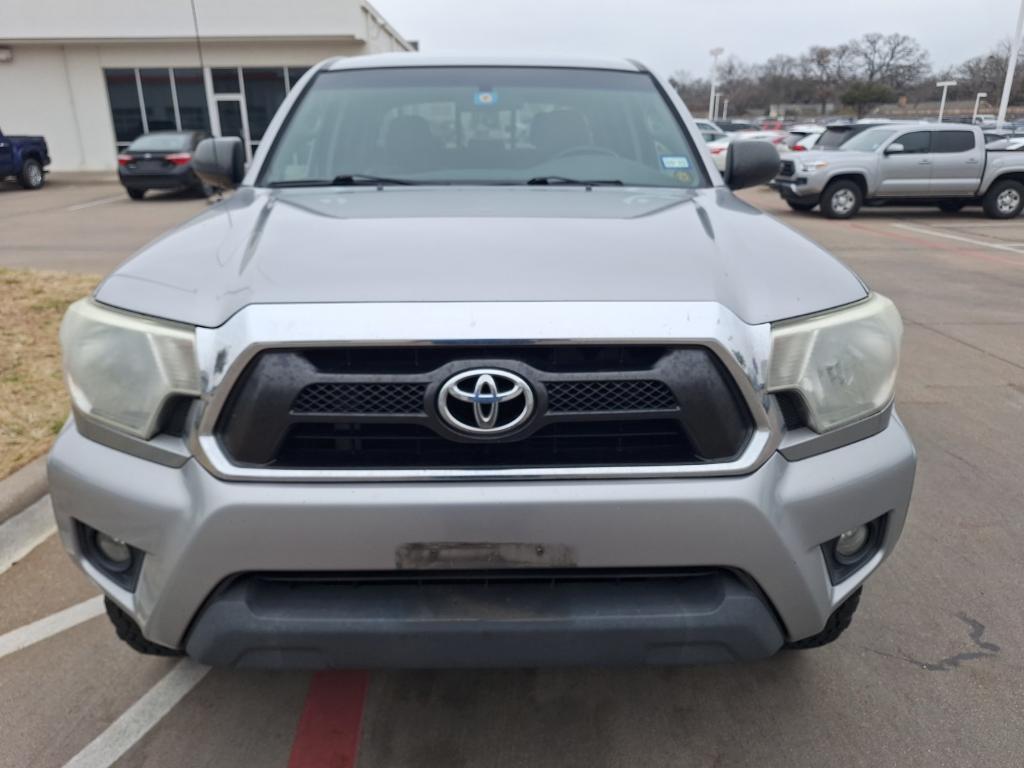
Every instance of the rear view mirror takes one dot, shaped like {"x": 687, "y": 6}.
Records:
{"x": 894, "y": 149}
{"x": 749, "y": 163}
{"x": 220, "y": 162}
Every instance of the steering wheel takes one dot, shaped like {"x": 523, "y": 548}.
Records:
{"x": 586, "y": 149}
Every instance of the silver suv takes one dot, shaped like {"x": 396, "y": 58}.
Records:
{"x": 482, "y": 364}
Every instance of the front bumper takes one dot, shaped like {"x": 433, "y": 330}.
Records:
{"x": 795, "y": 189}
{"x": 199, "y": 531}
{"x": 181, "y": 177}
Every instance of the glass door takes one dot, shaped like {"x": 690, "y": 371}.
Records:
{"x": 229, "y": 112}
{"x": 224, "y": 86}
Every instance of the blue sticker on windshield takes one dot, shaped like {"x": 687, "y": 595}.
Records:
{"x": 485, "y": 98}
{"x": 674, "y": 162}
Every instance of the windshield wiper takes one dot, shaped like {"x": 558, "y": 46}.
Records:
{"x": 344, "y": 180}
{"x": 351, "y": 179}
{"x": 539, "y": 180}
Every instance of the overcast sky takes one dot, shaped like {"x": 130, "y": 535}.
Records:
{"x": 669, "y": 35}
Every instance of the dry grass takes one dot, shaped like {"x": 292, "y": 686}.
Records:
{"x": 33, "y": 401}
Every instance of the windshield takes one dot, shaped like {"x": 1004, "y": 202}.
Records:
{"x": 868, "y": 141}
{"x": 161, "y": 142}
{"x": 483, "y": 125}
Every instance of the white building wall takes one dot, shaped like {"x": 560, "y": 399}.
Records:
{"x": 59, "y": 91}
{"x": 55, "y": 85}
{"x": 97, "y": 20}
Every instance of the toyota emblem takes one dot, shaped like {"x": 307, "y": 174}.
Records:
{"x": 485, "y": 401}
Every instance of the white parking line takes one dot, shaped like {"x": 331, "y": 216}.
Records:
{"x": 140, "y": 717}
{"x": 961, "y": 238}
{"x": 25, "y": 531}
{"x": 54, "y": 624}
{"x": 94, "y": 203}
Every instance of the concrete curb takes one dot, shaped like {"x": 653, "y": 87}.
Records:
{"x": 24, "y": 487}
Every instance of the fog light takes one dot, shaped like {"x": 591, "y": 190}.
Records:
{"x": 850, "y": 545}
{"x": 114, "y": 550}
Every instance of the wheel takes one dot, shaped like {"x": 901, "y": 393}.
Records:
{"x": 801, "y": 205}
{"x": 836, "y": 625}
{"x": 136, "y": 194}
{"x": 1004, "y": 199}
{"x": 950, "y": 206}
{"x": 130, "y": 633}
{"x": 31, "y": 176}
{"x": 841, "y": 200}
{"x": 203, "y": 190}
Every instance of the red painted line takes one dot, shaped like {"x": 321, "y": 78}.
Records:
{"x": 939, "y": 246}
{"x": 331, "y": 722}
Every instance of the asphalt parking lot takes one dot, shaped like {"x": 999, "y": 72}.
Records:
{"x": 930, "y": 674}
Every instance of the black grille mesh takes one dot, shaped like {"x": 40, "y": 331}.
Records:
{"x": 374, "y": 408}
{"x": 787, "y": 168}
{"x": 594, "y": 396}
{"x": 378, "y": 398}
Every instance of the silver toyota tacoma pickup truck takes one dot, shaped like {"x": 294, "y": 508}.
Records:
{"x": 482, "y": 364}
{"x": 943, "y": 164}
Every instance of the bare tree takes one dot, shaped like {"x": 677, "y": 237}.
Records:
{"x": 825, "y": 70}
{"x": 894, "y": 60}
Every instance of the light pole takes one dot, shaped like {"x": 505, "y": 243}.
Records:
{"x": 977, "y": 101}
{"x": 718, "y": 101}
{"x": 725, "y": 109}
{"x": 715, "y": 53}
{"x": 944, "y": 85}
{"x": 1011, "y": 65}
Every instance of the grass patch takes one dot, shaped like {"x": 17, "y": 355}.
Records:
{"x": 33, "y": 400}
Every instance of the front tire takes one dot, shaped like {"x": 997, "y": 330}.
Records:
{"x": 130, "y": 633}
{"x": 31, "y": 176}
{"x": 801, "y": 205}
{"x": 1004, "y": 199}
{"x": 836, "y": 625}
{"x": 841, "y": 200}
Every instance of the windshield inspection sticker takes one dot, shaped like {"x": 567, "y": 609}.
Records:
{"x": 674, "y": 162}
{"x": 485, "y": 98}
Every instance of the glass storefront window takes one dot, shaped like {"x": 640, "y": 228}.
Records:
{"x": 295, "y": 74}
{"x": 124, "y": 104}
{"x": 264, "y": 92}
{"x": 162, "y": 99}
{"x": 225, "y": 80}
{"x": 157, "y": 98}
{"x": 192, "y": 107}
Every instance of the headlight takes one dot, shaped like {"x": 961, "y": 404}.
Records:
{"x": 813, "y": 165}
{"x": 842, "y": 363}
{"x": 122, "y": 368}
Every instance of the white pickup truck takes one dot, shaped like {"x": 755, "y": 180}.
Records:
{"x": 906, "y": 164}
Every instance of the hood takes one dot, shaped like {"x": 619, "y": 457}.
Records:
{"x": 451, "y": 244}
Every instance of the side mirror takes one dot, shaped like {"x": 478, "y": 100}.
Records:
{"x": 894, "y": 149}
{"x": 220, "y": 162}
{"x": 749, "y": 163}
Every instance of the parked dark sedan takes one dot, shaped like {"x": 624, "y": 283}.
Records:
{"x": 160, "y": 160}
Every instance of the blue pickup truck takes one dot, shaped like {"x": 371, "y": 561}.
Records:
{"x": 25, "y": 158}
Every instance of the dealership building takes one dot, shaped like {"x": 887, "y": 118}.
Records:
{"x": 91, "y": 76}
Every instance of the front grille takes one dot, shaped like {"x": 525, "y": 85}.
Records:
{"x": 385, "y": 398}
{"x": 377, "y": 408}
{"x": 566, "y": 444}
{"x": 787, "y": 168}
{"x": 597, "y": 396}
